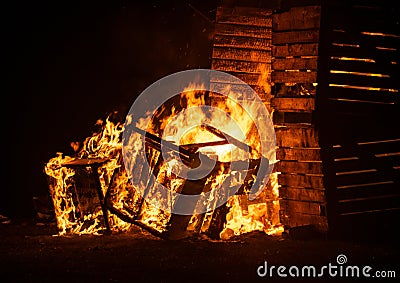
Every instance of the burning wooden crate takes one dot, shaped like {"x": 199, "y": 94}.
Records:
{"x": 120, "y": 203}
{"x": 333, "y": 69}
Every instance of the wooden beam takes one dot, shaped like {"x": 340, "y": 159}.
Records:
{"x": 246, "y": 42}
{"x": 299, "y": 153}
{"x": 241, "y": 54}
{"x": 248, "y": 31}
{"x": 282, "y": 64}
{"x": 297, "y": 137}
{"x": 293, "y": 103}
{"x": 297, "y": 18}
{"x": 306, "y": 36}
{"x": 294, "y": 77}
{"x": 296, "y": 49}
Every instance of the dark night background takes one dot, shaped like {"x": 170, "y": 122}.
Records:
{"x": 69, "y": 63}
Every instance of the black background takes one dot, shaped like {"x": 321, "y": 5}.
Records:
{"x": 70, "y": 63}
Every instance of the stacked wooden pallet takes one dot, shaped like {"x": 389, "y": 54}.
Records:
{"x": 360, "y": 102}
{"x": 242, "y": 47}
{"x": 295, "y": 34}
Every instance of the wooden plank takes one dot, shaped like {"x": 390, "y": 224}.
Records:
{"x": 301, "y": 181}
{"x": 292, "y": 206}
{"x": 297, "y": 137}
{"x": 240, "y": 90}
{"x": 381, "y": 56}
{"x": 297, "y": 18}
{"x": 371, "y": 146}
{"x": 352, "y": 93}
{"x": 302, "y": 194}
{"x": 371, "y": 190}
{"x": 294, "y": 77}
{"x": 374, "y": 67}
{"x": 364, "y": 40}
{"x": 298, "y": 153}
{"x": 362, "y": 110}
{"x": 242, "y": 42}
{"x": 306, "y": 36}
{"x": 364, "y": 178}
{"x": 242, "y": 10}
{"x": 248, "y": 78}
{"x": 238, "y": 19}
{"x": 279, "y": 117}
{"x": 240, "y": 66}
{"x": 224, "y": 87}
{"x": 297, "y": 49}
{"x": 366, "y": 163}
{"x": 241, "y": 54}
{"x": 299, "y": 167}
{"x": 363, "y": 81}
{"x": 248, "y": 31}
{"x": 294, "y": 64}
{"x": 369, "y": 204}
{"x": 293, "y": 104}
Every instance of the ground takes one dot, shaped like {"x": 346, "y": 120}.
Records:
{"x": 30, "y": 252}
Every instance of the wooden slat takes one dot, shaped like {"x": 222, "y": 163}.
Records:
{"x": 299, "y": 153}
{"x": 363, "y": 81}
{"x": 247, "y": 11}
{"x": 303, "y": 181}
{"x": 302, "y": 194}
{"x": 240, "y": 66}
{"x": 237, "y": 19}
{"x": 299, "y": 167}
{"x": 299, "y": 49}
{"x": 292, "y": 206}
{"x": 365, "y": 41}
{"x": 367, "y": 177}
{"x": 368, "y": 191}
{"x": 363, "y": 94}
{"x": 235, "y": 88}
{"x": 251, "y": 79}
{"x": 294, "y": 64}
{"x": 364, "y": 67}
{"x": 365, "y": 163}
{"x": 294, "y": 77}
{"x": 293, "y": 104}
{"x": 382, "y": 57}
{"x": 359, "y": 113}
{"x": 372, "y": 147}
{"x": 241, "y": 54}
{"x": 297, "y": 18}
{"x": 307, "y": 36}
{"x": 248, "y": 31}
{"x": 379, "y": 203}
{"x": 242, "y": 42}
{"x": 297, "y": 137}
{"x": 279, "y": 117}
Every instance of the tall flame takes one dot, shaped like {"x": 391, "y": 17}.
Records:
{"x": 182, "y": 127}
